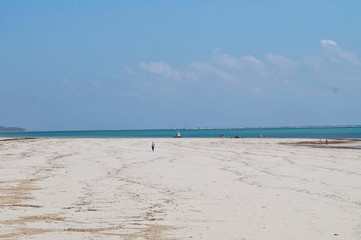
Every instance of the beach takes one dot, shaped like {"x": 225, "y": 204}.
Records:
{"x": 221, "y": 188}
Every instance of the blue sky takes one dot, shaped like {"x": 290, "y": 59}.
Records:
{"x": 78, "y": 65}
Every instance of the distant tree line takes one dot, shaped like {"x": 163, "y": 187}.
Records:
{"x": 11, "y": 129}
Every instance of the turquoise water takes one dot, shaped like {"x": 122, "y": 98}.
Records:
{"x": 331, "y": 132}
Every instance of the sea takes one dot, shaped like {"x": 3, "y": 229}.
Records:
{"x": 348, "y": 132}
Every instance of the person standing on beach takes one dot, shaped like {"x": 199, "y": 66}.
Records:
{"x": 153, "y": 146}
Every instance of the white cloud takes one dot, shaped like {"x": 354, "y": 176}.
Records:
{"x": 333, "y": 67}
{"x": 161, "y": 69}
{"x": 313, "y": 62}
{"x": 216, "y": 51}
{"x": 225, "y": 68}
{"x": 199, "y": 70}
{"x": 67, "y": 84}
{"x": 226, "y": 61}
{"x": 252, "y": 60}
{"x": 246, "y": 69}
{"x": 201, "y": 67}
{"x": 129, "y": 71}
{"x": 336, "y": 54}
{"x": 281, "y": 64}
{"x": 347, "y": 56}
{"x": 70, "y": 86}
{"x": 326, "y": 43}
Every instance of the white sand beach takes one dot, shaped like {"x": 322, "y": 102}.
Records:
{"x": 253, "y": 189}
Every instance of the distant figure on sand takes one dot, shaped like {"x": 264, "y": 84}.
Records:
{"x": 153, "y": 146}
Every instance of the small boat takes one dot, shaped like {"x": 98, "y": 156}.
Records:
{"x": 178, "y": 135}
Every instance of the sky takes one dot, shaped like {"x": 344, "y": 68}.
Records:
{"x": 108, "y": 65}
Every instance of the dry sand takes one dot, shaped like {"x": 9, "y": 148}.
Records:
{"x": 186, "y": 189}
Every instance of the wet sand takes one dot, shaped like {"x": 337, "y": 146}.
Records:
{"x": 185, "y": 189}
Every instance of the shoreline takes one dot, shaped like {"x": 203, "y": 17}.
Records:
{"x": 342, "y": 143}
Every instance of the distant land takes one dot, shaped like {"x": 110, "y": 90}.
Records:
{"x": 11, "y": 129}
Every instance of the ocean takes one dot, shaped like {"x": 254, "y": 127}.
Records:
{"x": 304, "y": 132}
